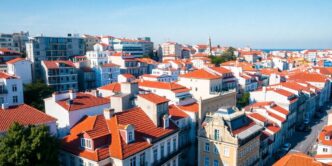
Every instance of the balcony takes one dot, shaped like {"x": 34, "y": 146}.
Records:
{"x": 167, "y": 158}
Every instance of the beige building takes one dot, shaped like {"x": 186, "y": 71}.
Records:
{"x": 228, "y": 137}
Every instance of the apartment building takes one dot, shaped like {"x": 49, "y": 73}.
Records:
{"x": 42, "y": 48}
{"x": 228, "y": 137}
{"x": 129, "y": 64}
{"x": 143, "y": 135}
{"x": 90, "y": 41}
{"x": 69, "y": 107}
{"x": 60, "y": 75}
{"x": 171, "y": 50}
{"x": 7, "y": 41}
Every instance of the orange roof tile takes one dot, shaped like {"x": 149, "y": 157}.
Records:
{"x": 6, "y": 75}
{"x": 176, "y": 113}
{"x": 194, "y": 107}
{"x": 221, "y": 70}
{"x": 310, "y": 77}
{"x": 114, "y": 87}
{"x": 177, "y": 88}
{"x": 115, "y": 146}
{"x": 83, "y": 100}
{"x": 55, "y": 64}
{"x": 258, "y": 117}
{"x": 272, "y": 128}
{"x": 110, "y": 65}
{"x": 200, "y": 74}
{"x": 154, "y": 98}
{"x": 284, "y": 92}
{"x": 327, "y": 131}
{"x": 15, "y": 60}
{"x": 298, "y": 159}
{"x": 23, "y": 114}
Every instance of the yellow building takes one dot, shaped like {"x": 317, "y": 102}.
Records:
{"x": 228, "y": 137}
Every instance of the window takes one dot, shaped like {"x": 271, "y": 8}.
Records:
{"x": 216, "y": 150}
{"x": 206, "y": 161}
{"x": 15, "y": 99}
{"x": 155, "y": 154}
{"x": 133, "y": 161}
{"x": 162, "y": 150}
{"x": 72, "y": 160}
{"x": 86, "y": 143}
{"x": 207, "y": 147}
{"x": 168, "y": 146}
{"x": 142, "y": 159}
{"x": 216, "y": 134}
{"x": 174, "y": 162}
{"x": 174, "y": 144}
{"x": 324, "y": 149}
{"x": 226, "y": 151}
{"x": 327, "y": 137}
{"x": 130, "y": 136}
{"x": 2, "y": 100}
{"x": 215, "y": 163}
{"x": 14, "y": 88}
{"x": 80, "y": 162}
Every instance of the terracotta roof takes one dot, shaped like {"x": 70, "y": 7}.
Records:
{"x": 83, "y": 100}
{"x": 243, "y": 128}
{"x": 298, "y": 159}
{"x": 322, "y": 156}
{"x": 194, "y": 107}
{"x": 15, "y": 60}
{"x": 310, "y": 77}
{"x": 114, "y": 87}
{"x": 283, "y": 92}
{"x": 221, "y": 70}
{"x": 6, "y": 75}
{"x": 55, "y": 64}
{"x": 154, "y": 98}
{"x": 200, "y": 74}
{"x": 177, "y": 88}
{"x": 129, "y": 76}
{"x": 23, "y": 114}
{"x": 327, "y": 131}
{"x": 272, "y": 128}
{"x": 176, "y": 113}
{"x": 280, "y": 109}
{"x": 115, "y": 146}
{"x": 258, "y": 116}
{"x": 110, "y": 65}
{"x": 275, "y": 116}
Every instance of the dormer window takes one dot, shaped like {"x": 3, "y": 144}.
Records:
{"x": 327, "y": 137}
{"x": 86, "y": 143}
{"x": 130, "y": 133}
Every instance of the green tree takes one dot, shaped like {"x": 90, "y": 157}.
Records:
{"x": 243, "y": 100}
{"x": 227, "y": 55}
{"x": 35, "y": 92}
{"x": 31, "y": 145}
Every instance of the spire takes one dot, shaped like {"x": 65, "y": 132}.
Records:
{"x": 210, "y": 46}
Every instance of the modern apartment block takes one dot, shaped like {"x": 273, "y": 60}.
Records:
{"x": 228, "y": 137}
{"x": 53, "y": 48}
{"x": 60, "y": 75}
{"x": 7, "y": 41}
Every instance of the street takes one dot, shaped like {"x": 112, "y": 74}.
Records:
{"x": 304, "y": 141}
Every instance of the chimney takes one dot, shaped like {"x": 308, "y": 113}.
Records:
{"x": 264, "y": 88}
{"x": 4, "y": 106}
{"x": 329, "y": 119}
{"x": 72, "y": 94}
{"x": 108, "y": 113}
{"x": 165, "y": 121}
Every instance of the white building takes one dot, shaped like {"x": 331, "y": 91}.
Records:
{"x": 11, "y": 90}
{"x": 171, "y": 50}
{"x": 69, "y": 107}
{"x": 21, "y": 68}
{"x": 143, "y": 135}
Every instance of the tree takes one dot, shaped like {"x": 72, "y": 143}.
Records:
{"x": 243, "y": 100}
{"x": 31, "y": 145}
{"x": 35, "y": 92}
{"x": 227, "y": 55}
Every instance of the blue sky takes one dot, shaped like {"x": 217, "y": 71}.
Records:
{"x": 255, "y": 23}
